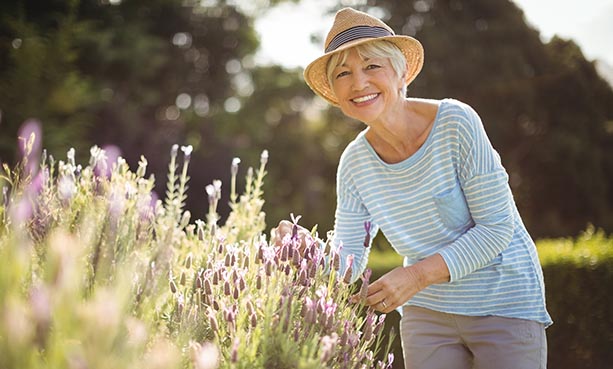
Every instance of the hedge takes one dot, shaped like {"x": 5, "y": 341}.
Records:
{"x": 578, "y": 279}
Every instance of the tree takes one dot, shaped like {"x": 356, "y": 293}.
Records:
{"x": 137, "y": 74}
{"x": 38, "y": 75}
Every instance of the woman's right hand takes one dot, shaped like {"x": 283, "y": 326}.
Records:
{"x": 284, "y": 228}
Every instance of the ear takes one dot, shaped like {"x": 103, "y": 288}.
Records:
{"x": 401, "y": 81}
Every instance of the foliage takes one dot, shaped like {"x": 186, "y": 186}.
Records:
{"x": 99, "y": 273}
{"x": 38, "y": 78}
{"x": 578, "y": 273}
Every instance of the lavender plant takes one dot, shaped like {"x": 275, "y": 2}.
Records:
{"x": 97, "y": 272}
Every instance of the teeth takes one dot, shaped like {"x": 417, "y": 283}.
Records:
{"x": 362, "y": 99}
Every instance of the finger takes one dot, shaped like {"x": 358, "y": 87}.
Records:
{"x": 375, "y": 298}
{"x": 385, "y": 306}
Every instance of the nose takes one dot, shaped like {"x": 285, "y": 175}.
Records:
{"x": 359, "y": 81}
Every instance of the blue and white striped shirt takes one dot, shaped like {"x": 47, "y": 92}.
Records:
{"x": 450, "y": 197}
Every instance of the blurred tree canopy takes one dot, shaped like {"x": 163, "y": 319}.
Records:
{"x": 145, "y": 74}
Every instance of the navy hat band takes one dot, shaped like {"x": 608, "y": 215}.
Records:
{"x": 355, "y": 33}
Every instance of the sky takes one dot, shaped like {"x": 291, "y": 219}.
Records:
{"x": 286, "y": 30}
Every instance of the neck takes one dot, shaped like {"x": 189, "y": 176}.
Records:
{"x": 398, "y": 134}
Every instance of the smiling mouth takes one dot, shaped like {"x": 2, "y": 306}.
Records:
{"x": 366, "y": 98}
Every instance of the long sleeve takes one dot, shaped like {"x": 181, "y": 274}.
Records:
{"x": 484, "y": 183}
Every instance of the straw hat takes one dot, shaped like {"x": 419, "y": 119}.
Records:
{"x": 351, "y": 28}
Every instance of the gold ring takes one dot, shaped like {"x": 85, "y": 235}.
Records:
{"x": 383, "y": 304}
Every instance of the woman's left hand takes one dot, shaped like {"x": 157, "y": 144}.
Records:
{"x": 398, "y": 286}
{"x": 393, "y": 289}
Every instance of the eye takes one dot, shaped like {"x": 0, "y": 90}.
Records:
{"x": 372, "y": 66}
{"x": 342, "y": 74}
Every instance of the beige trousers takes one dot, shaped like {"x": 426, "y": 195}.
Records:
{"x": 435, "y": 340}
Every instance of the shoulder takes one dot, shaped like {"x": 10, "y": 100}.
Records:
{"x": 444, "y": 109}
{"x": 459, "y": 117}
{"x": 452, "y": 108}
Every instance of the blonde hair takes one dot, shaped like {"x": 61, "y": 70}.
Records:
{"x": 374, "y": 49}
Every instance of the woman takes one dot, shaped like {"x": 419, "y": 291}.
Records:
{"x": 424, "y": 172}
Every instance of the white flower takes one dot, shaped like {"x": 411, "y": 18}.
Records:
{"x": 205, "y": 356}
{"x": 70, "y": 155}
{"x": 264, "y": 157}
{"x": 66, "y": 188}
{"x": 187, "y": 150}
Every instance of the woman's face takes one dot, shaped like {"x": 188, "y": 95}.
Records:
{"x": 366, "y": 89}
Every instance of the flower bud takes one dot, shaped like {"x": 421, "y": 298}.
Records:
{"x": 226, "y": 288}
{"x": 234, "y": 353}
{"x": 234, "y": 167}
{"x": 264, "y": 157}
{"x": 142, "y": 167}
{"x": 173, "y": 286}
{"x": 349, "y": 271}
{"x": 213, "y": 322}
{"x": 367, "y": 226}
{"x": 185, "y": 219}
{"x": 295, "y": 257}
{"x": 208, "y": 289}
{"x": 284, "y": 252}
{"x": 368, "y": 327}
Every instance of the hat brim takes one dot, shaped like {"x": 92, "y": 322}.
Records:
{"x": 316, "y": 77}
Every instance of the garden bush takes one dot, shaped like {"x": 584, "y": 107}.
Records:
{"x": 96, "y": 272}
{"x": 578, "y": 280}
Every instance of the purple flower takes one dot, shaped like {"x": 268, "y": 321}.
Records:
{"x": 368, "y": 325}
{"x": 365, "y": 282}
{"x": 104, "y": 168}
{"x": 311, "y": 308}
{"x": 328, "y": 345}
{"x": 213, "y": 321}
{"x": 347, "y": 276}
{"x": 379, "y": 325}
{"x": 30, "y": 144}
{"x": 234, "y": 353}
{"x": 295, "y": 220}
{"x": 367, "y": 226}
